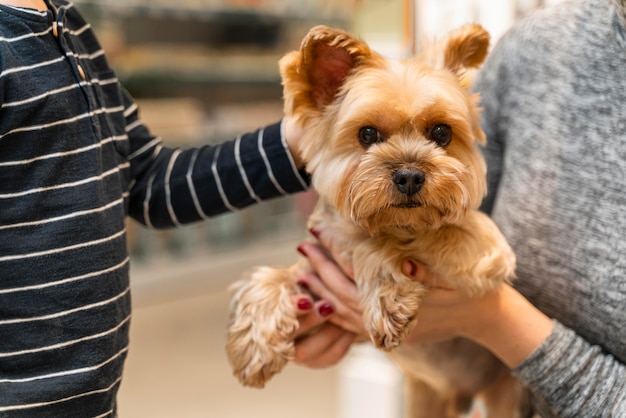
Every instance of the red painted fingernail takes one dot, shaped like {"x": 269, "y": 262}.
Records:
{"x": 301, "y": 250}
{"x": 326, "y": 309}
{"x": 315, "y": 233}
{"x": 303, "y": 284}
{"x": 304, "y": 304}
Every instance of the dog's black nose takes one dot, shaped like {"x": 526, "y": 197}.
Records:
{"x": 409, "y": 180}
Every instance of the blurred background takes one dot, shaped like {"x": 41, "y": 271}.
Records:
{"x": 204, "y": 71}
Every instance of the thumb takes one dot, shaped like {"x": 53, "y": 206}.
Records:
{"x": 416, "y": 271}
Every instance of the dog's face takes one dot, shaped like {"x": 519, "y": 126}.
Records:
{"x": 389, "y": 143}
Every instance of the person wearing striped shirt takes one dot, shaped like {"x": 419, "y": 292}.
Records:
{"x": 75, "y": 161}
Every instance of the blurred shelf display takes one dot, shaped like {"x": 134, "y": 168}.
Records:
{"x": 215, "y": 50}
{"x": 204, "y": 71}
{"x": 216, "y": 8}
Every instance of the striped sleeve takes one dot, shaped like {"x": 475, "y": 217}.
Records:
{"x": 174, "y": 187}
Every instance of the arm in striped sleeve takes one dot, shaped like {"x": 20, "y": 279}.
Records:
{"x": 172, "y": 187}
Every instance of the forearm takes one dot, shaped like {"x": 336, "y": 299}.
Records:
{"x": 573, "y": 377}
{"x": 176, "y": 187}
{"x": 508, "y": 325}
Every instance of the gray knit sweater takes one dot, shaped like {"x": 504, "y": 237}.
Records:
{"x": 554, "y": 98}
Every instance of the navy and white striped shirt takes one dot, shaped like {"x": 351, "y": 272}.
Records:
{"x": 75, "y": 160}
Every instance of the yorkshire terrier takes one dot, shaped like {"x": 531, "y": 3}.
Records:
{"x": 392, "y": 148}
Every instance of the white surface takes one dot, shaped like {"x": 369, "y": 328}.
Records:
{"x": 370, "y": 386}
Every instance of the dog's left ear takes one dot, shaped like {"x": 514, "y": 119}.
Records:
{"x": 313, "y": 75}
{"x": 465, "y": 48}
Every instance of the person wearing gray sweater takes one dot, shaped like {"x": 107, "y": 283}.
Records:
{"x": 554, "y": 110}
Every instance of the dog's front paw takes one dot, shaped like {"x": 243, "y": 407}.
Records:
{"x": 263, "y": 325}
{"x": 395, "y": 315}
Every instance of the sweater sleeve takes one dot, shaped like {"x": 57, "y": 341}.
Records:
{"x": 171, "y": 187}
{"x": 573, "y": 378}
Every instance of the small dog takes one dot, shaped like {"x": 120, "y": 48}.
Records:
{"x": 392, "y": 147}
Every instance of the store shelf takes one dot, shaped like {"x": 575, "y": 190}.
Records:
{"x": 210, "y": 9}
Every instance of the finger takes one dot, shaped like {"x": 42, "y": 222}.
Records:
{"x": 329, "y": 272}
{"x": 409, "y": 268}
{"x": 341, "y": 300}
{"x": 323, "y": 348}
{"x": 415, "y": 271}
{"x": 302, "y": 302}
{"x": 312, "y": 346}
{"x": 350, "y": 322}
{"x": 345, "y": 313}
{"x": 307, "y": 322}
{"x": 310, "y": 313}
{"x": 313, "y": 315}
{"x": 340, "y": 315}
{"x": 335, "y": 352}
{"x": 418, "y": 272}
{"x": 331, "y": 284}
{"x": 315, "y": 285}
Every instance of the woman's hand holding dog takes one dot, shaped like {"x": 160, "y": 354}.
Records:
{"x": 329, "y": 326}
{"x": 502, "y": 320}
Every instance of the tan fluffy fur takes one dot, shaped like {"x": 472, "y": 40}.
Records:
{"x": 335, "y": 85}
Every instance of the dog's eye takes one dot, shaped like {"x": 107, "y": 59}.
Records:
{"x": 368, "y": 135}
{"x": 441, "y": 134}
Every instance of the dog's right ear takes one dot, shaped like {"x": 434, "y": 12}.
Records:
{"x": 313, "y": 75}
